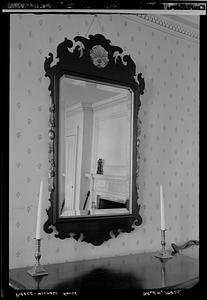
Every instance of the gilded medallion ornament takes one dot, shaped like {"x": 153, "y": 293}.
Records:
{"x": 99, "y": 56}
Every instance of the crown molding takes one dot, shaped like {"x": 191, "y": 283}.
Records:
{"x": 164, "y": 24}
{"x": 117, "y": 99}
{"x": 80, "y": 107}
{"x": 191, "y": 21}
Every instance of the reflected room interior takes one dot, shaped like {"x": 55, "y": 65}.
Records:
{"x": 94, "y": 148}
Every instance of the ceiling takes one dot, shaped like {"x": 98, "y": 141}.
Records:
{"x": 73, "y": 91}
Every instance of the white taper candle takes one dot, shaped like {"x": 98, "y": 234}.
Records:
{"x": 162, "y": 209}
{"x": 39, "y": 212}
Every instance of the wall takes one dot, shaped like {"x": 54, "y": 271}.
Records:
{"x": 112, "y": 127}
{"x": 169, "y": 140}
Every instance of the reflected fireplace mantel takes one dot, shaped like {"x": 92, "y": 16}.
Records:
{"x": 112, "y": 188}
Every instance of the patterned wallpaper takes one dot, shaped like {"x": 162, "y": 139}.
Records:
{"x": 169, "y": 146}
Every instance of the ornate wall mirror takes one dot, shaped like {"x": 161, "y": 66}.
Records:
{"x": 94, "y": 139}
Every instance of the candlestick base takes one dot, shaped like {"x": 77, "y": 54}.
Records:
{"x": 37, "y": 271}
{"x": 163, "y": 255}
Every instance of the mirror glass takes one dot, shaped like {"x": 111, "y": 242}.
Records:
{"x": 94, "y": 148}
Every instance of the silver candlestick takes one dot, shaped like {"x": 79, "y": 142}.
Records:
{"x": 37, "y": 270}
{"x": 163, "y": 254}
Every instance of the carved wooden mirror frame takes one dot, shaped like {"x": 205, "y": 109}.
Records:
{"x": 93, "y": 58}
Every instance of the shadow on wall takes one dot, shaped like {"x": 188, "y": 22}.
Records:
{"x": 101, "y": 278}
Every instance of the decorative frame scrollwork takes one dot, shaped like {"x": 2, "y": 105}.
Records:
{"x": 92, "y": 58}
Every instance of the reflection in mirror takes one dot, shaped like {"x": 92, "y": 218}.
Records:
{"x": 94, "y": 148}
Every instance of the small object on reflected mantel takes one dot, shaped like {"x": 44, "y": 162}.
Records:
{"x": 100, "y": 166}
{"x": 37, "y": 270}
{"x": 163, "y": 254}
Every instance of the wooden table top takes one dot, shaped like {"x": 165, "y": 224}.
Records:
{"x": 136, "y": 271}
